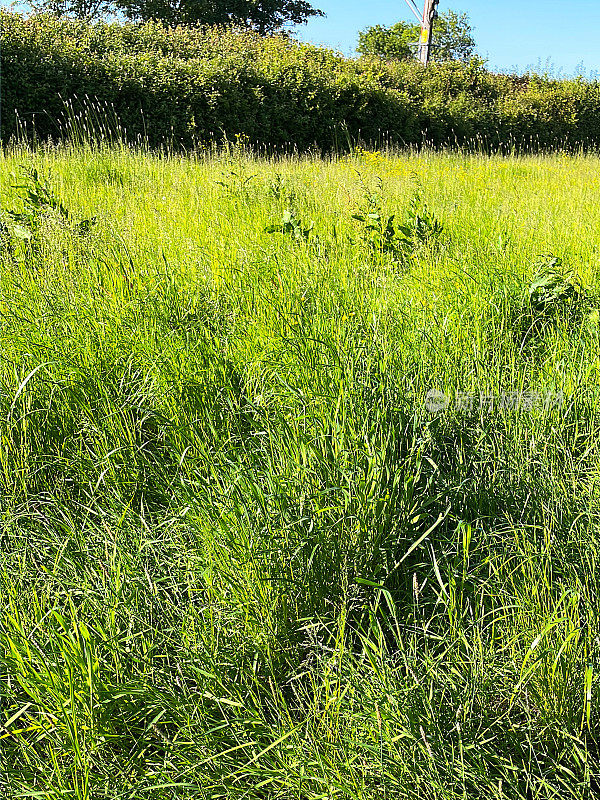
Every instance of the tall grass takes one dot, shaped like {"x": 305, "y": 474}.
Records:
{"x": 240, "y": 556}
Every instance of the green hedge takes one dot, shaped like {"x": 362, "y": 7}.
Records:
{"x": 187, "y": 86}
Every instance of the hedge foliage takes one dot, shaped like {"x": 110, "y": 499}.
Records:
{"x": 188, "y": 86}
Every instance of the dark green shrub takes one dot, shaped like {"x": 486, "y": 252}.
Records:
{"x": 63, "y": 78}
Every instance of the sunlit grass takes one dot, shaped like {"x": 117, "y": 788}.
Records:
{"x": 240, "y": 557}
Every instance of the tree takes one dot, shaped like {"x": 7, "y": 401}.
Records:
{"x": 264, "y": 16}
{"x": 390, "y": 43}
{"x": 452, "y": 39}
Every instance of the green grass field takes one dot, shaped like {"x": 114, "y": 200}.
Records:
{"x": 242, "y": 557}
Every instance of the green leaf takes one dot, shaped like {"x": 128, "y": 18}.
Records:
{"x": 21, "y": 232}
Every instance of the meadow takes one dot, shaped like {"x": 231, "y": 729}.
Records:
{"x": 300, "y": 475}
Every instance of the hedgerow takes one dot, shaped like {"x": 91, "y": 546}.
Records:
{"x": 187, "y": 86}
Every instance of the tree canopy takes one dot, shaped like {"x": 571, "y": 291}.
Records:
{"x": 452, "y": 39}
{"x": 264, "y": 16}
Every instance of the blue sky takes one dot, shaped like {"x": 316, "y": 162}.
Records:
{"x": 563, "y": 34}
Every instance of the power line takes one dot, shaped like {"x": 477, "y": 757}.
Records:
{"x": 413, "y": 7}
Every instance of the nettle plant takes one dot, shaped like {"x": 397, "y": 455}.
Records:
{"x": 553, "y": 293}
{"x": 291, "y": 225}
{"x": 39, "y": 204}
{"x": 280, "y": 191}
{"x": 236, "y": 181}
{"x": 380, "y": 234}
{"x": 552, "y": 288}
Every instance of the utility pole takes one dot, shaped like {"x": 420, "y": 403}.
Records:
{"x": 429, "y": 14}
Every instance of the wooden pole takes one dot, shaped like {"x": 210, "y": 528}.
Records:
{"x": 429, "y": 14}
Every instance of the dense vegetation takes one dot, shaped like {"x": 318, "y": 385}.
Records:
{"x": 241, "y": 557}
{"x": 265, "y": 16}
{"x": 186, "y": 87}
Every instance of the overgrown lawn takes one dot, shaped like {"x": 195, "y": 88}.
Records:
{"x": 241, "y": 555}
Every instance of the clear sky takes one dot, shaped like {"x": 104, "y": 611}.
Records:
{"x": 562, "y": 35}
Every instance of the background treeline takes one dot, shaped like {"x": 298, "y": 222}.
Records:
{"x": 186, "y": 86}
